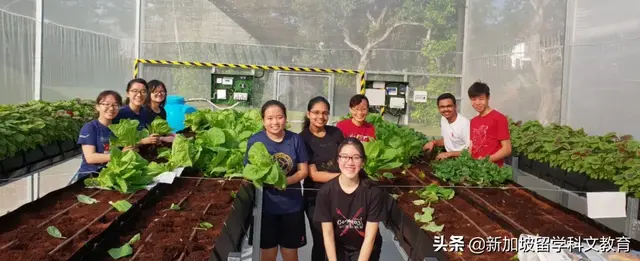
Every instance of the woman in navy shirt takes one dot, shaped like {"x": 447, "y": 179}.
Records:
{"x": 283, "y": 223}
{"x": 135, "y": 108}
{"x": 94, "y": 135}
{"x": 157, "y": 99}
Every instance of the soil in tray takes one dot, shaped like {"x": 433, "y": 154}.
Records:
{"x": 170, "y": 230}
{"x": 454, "y": 223}
{"x": 529, "y": 212}
{"x": 35, "y": 243}
{"x": 535, "y": 215}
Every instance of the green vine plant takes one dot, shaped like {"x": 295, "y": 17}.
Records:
{"x": 608, "y": 157}
{"x": 428, "y": 195}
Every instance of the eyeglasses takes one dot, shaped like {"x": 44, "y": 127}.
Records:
{"x": 323, "y": 113}
{"x": 143, "y": 92}
{"x": 109, "y": 105}
{"x": 360, "y": 109}
{"x": 345, "y": 159}
{"x": 159, "y": 92}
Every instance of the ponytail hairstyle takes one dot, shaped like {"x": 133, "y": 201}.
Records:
{"x": 362, "y": 175}
{"x": 136, "y": 80}
{"x": 313, "y": 102}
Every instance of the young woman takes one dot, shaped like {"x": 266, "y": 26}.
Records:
{"x": 350, "y": 209}
{"x": 94, "y": 135}
{"x": 283, "y": 224}
{"x": 155, "y": 105}
{"x": 357, "y": 126}
{"x": 134, "y": 108}
{"x": 157, "y": 99}
{"x": 322, "y": 143}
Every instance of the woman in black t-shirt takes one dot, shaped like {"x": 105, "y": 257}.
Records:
{"x": 350, "y": 209}
{"x": 157, "y": 99}
{"x": 322, "y": 143}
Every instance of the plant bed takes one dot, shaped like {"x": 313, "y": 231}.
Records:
{"x": 469, "y": 223}
{"x": 179, "y": 233}
{"x": 77, "y": 222}
{"x": 520, "y": 209}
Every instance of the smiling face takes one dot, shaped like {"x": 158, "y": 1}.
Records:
{"x": 350, "y": 161}
{"x": 274, "y": 120}
{"x": 480, "y": 103}
{"x": 447, "y": 108}
{"x": 360, "y": 111}
{"x": 159, "y": 94}
{"x": 108, "y": 108}
{"x": 319, "y": 115}
{"x": 137, "y": 94}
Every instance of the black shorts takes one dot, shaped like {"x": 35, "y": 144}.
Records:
{"x": 285, "y": 230}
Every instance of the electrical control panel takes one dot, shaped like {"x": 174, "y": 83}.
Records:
{"x": 229, "y": 88}
{"x": 390, "y": 94}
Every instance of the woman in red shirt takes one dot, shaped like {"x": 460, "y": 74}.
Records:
{"x": 357, "y": 126}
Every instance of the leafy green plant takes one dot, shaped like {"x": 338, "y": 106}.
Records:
{"x": 54, "y": 232}
{"x": 126, "y": 133}
{"x": 159, "y": 126}
{"x": 430, "y": 194}
{"x": 263, "y": 169}
{"x": 24, "y": 127}
{"x": 126, "y": 172}
{"x": 466, "y": 170}
{"x": 86, "y": 199}
{"x": 606, "y": 157}
{"x": 124, "y": 250}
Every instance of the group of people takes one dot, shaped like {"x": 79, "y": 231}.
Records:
{"x": 342, "y": 205}
{"x": 486, "y": 135}
{"x": 144, "y": 102}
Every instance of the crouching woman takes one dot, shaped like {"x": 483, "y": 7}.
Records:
{"x": 95, "y": 135}
{"x": 350, "y": 208}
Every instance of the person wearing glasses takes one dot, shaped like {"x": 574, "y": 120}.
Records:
{"x": 157, "y": 99}
{"x": 322, "y": 143}
{"x": 454, "y": 129}
{"x": 350, "y": 209}
{"x": 95, "y": 135}
{"x": 135, "y": 108}
{"x": 357, "y": 126}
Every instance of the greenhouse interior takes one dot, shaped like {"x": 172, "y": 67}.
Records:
{"x": 568, "y": 189}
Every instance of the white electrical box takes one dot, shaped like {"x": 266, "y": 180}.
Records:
{"x": 396, "y": 103}
{"x": 227, "y": 81}
{"x": 379, "y": 85}
{"x": 219, "y": 80}
{"x": 376, "y": 96}
{"x": 221, "y": 94}
{"x": 240, "y": 96}
{"x": 420, "y": 96}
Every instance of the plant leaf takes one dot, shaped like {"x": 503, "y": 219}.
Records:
{"x": 54, "y": 232}
{"x": 86, "y": 199}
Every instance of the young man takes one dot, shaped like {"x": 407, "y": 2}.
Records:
{"x": 490, "y": 129}
{"x": 454, "y": 129}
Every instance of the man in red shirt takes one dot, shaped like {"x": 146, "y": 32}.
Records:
{"x": 490, "y": 129}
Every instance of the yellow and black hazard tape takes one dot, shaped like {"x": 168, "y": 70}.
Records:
{"x": 242, "y": 66}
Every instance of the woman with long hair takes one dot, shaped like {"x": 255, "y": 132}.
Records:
{"x": 357, "y": 126}
{"x": 322, "y": 143}
{"x": 283, "y": 224}
{"x": 350, "y": 209}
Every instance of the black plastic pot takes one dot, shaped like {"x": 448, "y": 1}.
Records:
{"x": 524, "y": 163}
{"x": 68, "y": 145}
{"x": 11, "y": 164}
{"x": 600, "y": 185}
{"x": 575, "y": 181}
{"x": 416, "y": 242}
{"x": 555, "y": 176}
